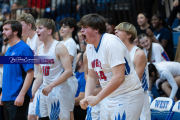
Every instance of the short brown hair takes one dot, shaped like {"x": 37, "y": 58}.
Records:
{"x": 48, "y": 23}
{"x": 129, "y": 29}
{"x": 15, "y": 26}
{"x": 28, "y": 19}
{"x": 94, "y": 21}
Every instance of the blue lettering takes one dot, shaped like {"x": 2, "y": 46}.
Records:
{"x": 157, "y": 103}
{"x": 167, "y": 102}
{"x": 178, "y": 105}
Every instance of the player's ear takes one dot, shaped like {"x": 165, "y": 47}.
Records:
{"x": 49, "y": 31}
{"x": 29, "y": 25}
{"x": 72, "y": 29}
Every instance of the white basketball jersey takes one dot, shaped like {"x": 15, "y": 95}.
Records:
{"x": 145, "y": 77}
{"x": 50, "y": 71}
{"x": 32, "y": 44}
{"x": 158, "y": 53}
{"x": 72, "y": 49}
{"x": 111, "y": 52}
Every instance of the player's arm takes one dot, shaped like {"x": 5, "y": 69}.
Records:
{"x": 117, "y": 79}
{"x": 85, "y": 62}
{"x": 63, "y": 55}
{"x": 90, "y": 86}
{"x": 27, "y": 83}
{"x": 140, "y": 62}
{"x": 79, "y": 98}
{"x": 172, "y": 83}
{"x": 39, "y": 80}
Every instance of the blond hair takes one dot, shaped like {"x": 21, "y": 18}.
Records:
{"x": 28, "y": 19}
{"x": 129, "y": 29}
{"x": 48, "y": 23}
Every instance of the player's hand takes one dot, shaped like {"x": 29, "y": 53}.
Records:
{"x": 47, "y": 90}
{"x": 92, "y": 100}
{"x": 150, "y": 33}
{"x": 1, "y": 102}
{"x": 84, "y": 104}
{"x": 19, "y": 100}
{"x": 175, "y": 3}
{"x": 31, "y": 100}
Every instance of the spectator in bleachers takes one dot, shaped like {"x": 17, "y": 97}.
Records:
{"x": 142, "y": 20}
{"x": 5, "y": 12}
{"x": 14, "y": 11}
{"x": 166, "y": 75}
{"x": 154, "y": 51}
{"x": 173, "y": 14}
{"x": 39, "y": 5}
{"x": 162, "y": 35}
{"x": 79, "y": 113}
{"x": 110, "y": 26}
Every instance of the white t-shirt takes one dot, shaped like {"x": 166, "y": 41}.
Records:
{"x": 33, "y": 45}
{"x": 111, "y": 52}
{"x": 145, "y": 77}
{"x": 168, "y": 70}
{"x": 158, "y": 54}
{"x": 72, "y": 49}
{"x": 51, "y": 71}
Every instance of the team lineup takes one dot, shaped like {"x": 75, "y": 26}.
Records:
{"x": 115, "y": 69}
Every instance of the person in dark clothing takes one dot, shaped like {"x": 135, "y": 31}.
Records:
{"x": 142, "y": 20}
{"x": 162, "y": 35}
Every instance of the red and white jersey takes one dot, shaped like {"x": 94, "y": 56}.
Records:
{"x": 72, "y": 49}
{"x": 50, "y": 71}
{"x": 158, "y": 54}
{"x": 33, "y": 45}
{"x": 111, "y": 52}
{"x": 145, "y": 77}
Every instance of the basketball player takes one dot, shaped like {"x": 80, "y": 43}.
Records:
{"x": 127, "y": 33}
{"x": 68, "y": 31}
{"x": 28, "y": 29}
{"x": 54, "y": 101}
{"x": 109, "y": 58}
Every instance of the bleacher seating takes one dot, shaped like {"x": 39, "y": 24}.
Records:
{"x": 175, "y": 40}
{"x": 161, "y": 108}
{"x": 176, "y": 111}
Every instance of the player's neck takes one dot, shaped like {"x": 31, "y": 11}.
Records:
{"x": 129, "y": 46}
{"x": 48, "y": 42}
{"x": 96, "y": 39}
{"x": 159, "y": 28}
{"x": 31, "y": 34}
{"x": 13, "y": 41}
{"x": 67, "y": 37}
{"x": 81, "y": 69}
{"x": 145, "y": 26}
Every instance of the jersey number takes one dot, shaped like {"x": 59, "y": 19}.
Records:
{"x": 46, "y": 70}
{"x": 101, "y": 75}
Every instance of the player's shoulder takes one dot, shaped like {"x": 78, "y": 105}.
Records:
{"x": 156, "y": 46}
{"x": 140, "y": 54}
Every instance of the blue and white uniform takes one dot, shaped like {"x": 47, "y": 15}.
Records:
{"x": 127, "y": 100}
{"x": 158, "y": 54}
{"x": 145, "y": 114}
{"x": 57, "y": 103}
{"x": 33, "y": 45}
{"x": 72, "y": 81}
